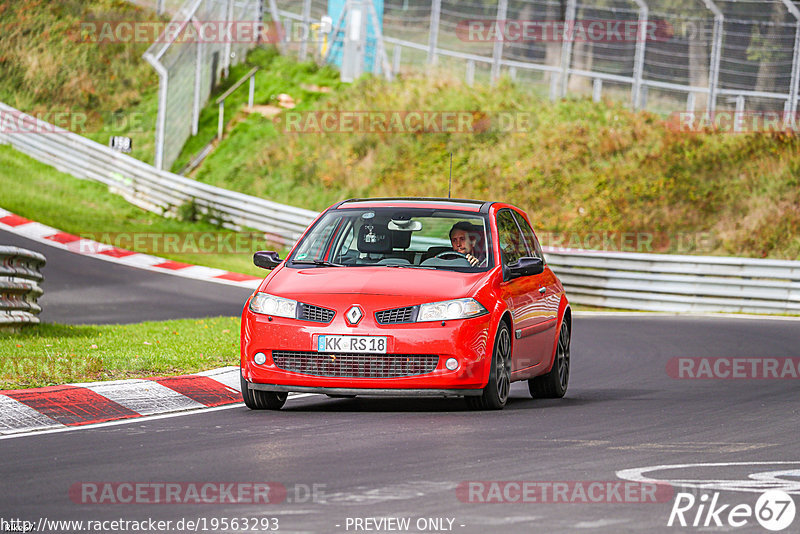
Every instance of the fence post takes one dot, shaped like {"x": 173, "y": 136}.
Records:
{"x": 198, "y": 72}
{"x": 221, "y": 120}
{"x": 251, "y": 95}
{"x": 396, "y": 53}
{"x": 161, "y": 119}
{"x": 470, "y": 72}
{"x": 381, "y": 57}
{"x": 160, "y": 7}
{"x": 497, "y": 51}
{"x": 228, "y": 20}
{"x": 279, "y": 29}
{"x": 738, "y": 114}
{"x": 795, "y": 78}
{"x": 566, "y": 46}
{"x": 716, "y": 54}
{"x": 433, "y": 37}
{"x": 597, "y": 89}
{"x": 306, "y": 30}
{"x": 638, "y": 62}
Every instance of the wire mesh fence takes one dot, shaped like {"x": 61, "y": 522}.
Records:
{"x": 662, "y": 55}
{"x": 191, "y": 56}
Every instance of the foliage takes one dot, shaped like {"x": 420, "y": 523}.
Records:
{"x": 578, "y": 167}
{"x": 50, "y": 354}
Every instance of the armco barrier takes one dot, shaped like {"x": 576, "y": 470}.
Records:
{"x": 142, "y": 184}
{"x": 663, "y": 282}
{"x": 655, "y": 282}
{"x": 20, "y": 276}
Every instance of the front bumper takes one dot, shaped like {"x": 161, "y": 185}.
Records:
{"x": 376, "y": 392}
{"x": 467, "y": 340}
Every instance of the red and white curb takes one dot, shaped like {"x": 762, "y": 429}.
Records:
{"x": 14, "y": 223}
{"x": 72, "y": 405}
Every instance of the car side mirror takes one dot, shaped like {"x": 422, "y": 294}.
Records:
{"x": 526, "y": 267}
{"x": 266, "y": 259}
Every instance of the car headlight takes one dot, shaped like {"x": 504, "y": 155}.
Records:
{"x": 267, "y": 304}
{"x": 450, "y": 309}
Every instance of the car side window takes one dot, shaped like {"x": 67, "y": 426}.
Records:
{"x": 512, "y": 244}
{"x": 530, "y": 237}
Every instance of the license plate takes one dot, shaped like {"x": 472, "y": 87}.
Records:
{"x": 368, "y": 344}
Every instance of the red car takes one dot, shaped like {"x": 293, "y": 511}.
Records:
{"x": 408, "y": 297}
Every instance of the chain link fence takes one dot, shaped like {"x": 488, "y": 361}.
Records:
{"x": 741, "y": 55}
{"x": 189, "y": 66}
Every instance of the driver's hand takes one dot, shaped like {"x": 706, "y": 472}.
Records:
{"x": 471, "y": 259}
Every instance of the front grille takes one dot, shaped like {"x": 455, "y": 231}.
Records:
{"x": 355, "y": 365}
{"x": 397, "y": 315}
{"x": 309, "y": 312}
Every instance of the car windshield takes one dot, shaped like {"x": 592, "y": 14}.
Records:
{"x": 397, "y": 237}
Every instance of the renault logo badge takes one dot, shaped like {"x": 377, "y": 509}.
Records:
{"x": 354, "y": 315}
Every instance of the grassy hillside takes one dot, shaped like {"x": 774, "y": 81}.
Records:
{"x": 51, "y": 354}
{"x": 47, "y": 68}
{"x": 85, "y": 208}
{"x": 581, "y": 170}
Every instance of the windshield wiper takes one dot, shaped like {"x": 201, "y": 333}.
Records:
{"x": 403, "y": 266}
{"x": 321, "y": 263}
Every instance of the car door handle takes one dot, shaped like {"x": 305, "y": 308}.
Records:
{"x": 542, "y": 290}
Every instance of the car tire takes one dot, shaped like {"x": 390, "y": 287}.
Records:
{"x": 262, "y": 400}
{"x": 553, "y": 385}
{"x": 495, "y": 394}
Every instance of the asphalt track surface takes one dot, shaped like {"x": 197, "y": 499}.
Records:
{"x": 83, "y": 290}
{"x": 405, "y": 458}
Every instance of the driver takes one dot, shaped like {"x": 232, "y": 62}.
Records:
{"x": 463, "y": 237}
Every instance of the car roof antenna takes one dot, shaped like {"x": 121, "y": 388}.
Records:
{"x": 450, "y": 182}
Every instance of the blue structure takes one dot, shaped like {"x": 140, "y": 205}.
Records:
{"x": 335, "y": 9}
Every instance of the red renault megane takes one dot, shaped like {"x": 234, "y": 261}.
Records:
{"x": 408, "y": 297}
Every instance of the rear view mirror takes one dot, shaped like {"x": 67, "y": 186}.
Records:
{"x": 526, "y": 267}
{"x": 404, "y": 225}
{"x": 266, "y": 259}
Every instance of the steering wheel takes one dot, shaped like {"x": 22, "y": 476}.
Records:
{"x": 456, "y": 255}
{"x": 446, "y": 253}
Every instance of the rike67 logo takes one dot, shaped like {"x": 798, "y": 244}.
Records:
{"x": 774, "y": 510}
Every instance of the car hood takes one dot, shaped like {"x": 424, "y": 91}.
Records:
{"x": 426, "y": 284}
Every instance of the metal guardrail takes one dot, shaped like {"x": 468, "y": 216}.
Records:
{"x": 221, "y": 100}
{"x": 141, "y": 184}
{"x": 20, "y": 277}
{"x": 671, "y": 283}
{"x": 655, "y": 282}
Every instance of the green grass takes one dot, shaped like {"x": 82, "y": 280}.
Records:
{"x": 36, "y": 191}
{"x": 52, "y": 354}
{"x": 278, "y": 75}
{"x": 48, "y": 67}
{"x": 582, "y": 169}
